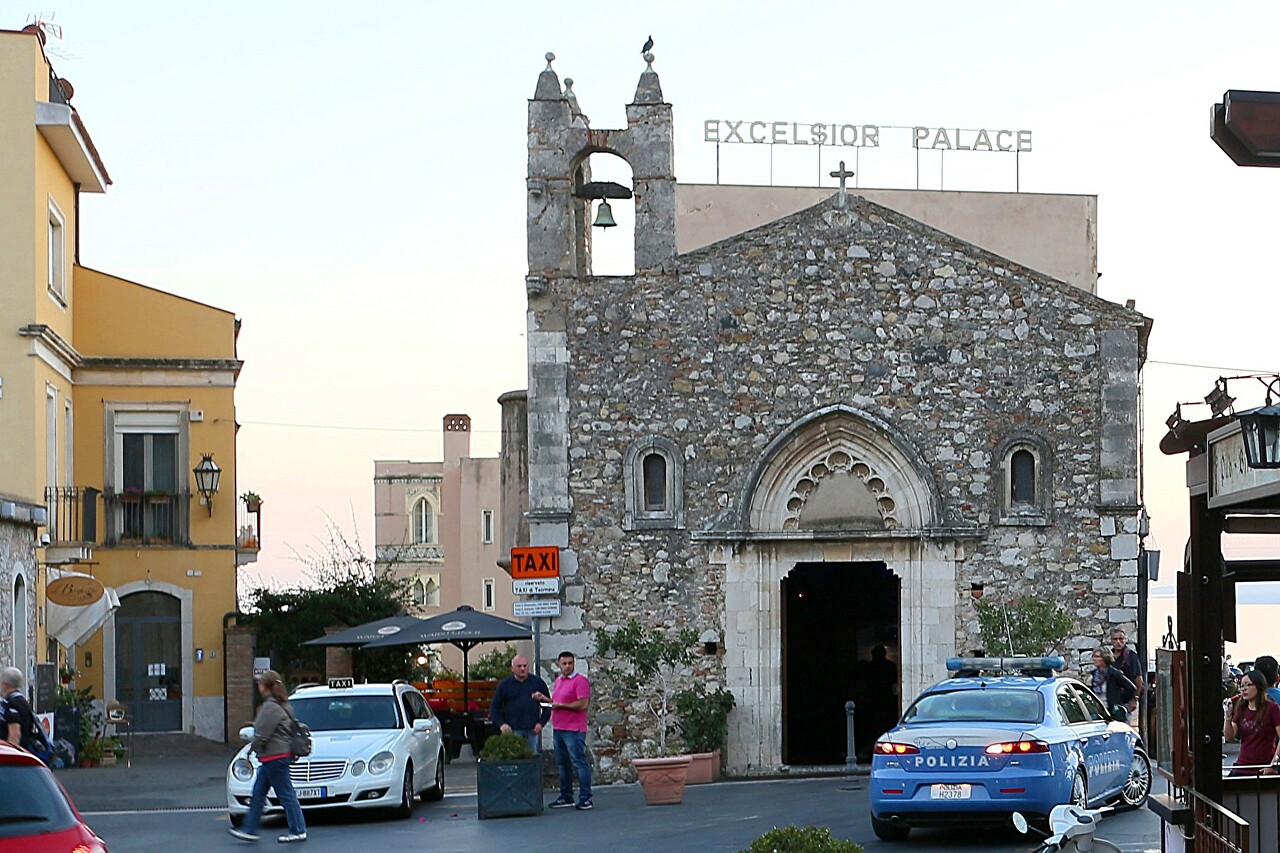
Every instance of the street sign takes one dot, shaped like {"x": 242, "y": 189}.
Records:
{"x": 541, "y": 561}
{"x": 538, "y": 607}
{"x": 537, "y": 586}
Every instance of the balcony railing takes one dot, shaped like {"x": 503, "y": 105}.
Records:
{"x": 73, "y": 514}
{"x": 148, "y": 518}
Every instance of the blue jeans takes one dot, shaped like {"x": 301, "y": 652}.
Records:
{"x": 571, "y": 754}
{"x": 535, "y": 740}
{"x": 274, "y": 775}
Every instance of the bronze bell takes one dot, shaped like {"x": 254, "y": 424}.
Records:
{"x": 604, "y": 215}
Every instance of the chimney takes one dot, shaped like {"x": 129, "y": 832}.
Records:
{"x": 457, "y": 437}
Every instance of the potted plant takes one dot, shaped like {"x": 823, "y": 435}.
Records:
{"x": 703, "y": 723}
{"x": 91, "y": 752}
{"x": 252, "y": 502}
{"x": 802, "y": 839}
{"x": 651, "y": 664}
{"x": 508, "y": 778}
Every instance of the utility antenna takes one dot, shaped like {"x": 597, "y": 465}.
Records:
{"x": 44, "y": 20}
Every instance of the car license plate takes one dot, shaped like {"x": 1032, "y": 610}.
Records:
{"x": 949, "y": 792}
{"x": 318, "y": 793}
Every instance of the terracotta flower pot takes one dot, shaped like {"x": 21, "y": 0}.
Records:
{"x": 663, "y": 779}
{"x": 703, "y": 768}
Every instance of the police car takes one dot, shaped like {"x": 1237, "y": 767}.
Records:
{"x": 374, "y": 746}
{"x": 1003, "y": 735}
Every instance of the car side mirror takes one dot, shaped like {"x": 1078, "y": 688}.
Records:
{"x": 246, "y": 733}
{"x": 422, "y": 724}
{"x": 1120, "y": 713}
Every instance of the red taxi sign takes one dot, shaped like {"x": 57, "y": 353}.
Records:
{"x": 539, "y": 561}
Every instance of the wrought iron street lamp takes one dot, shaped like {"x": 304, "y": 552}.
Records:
{"x": 207, "y": 474}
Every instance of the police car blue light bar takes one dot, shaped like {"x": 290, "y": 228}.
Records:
{"x": 1009, "y": 664}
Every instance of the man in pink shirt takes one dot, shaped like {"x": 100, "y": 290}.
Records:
{"x": 569, "y": 698}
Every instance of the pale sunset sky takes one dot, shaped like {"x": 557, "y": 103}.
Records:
{"x": 349, "y": 180}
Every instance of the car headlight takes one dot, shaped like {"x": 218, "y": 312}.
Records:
{"x": 357, "y": 767}
{"x": 242, "y": 769}
{"x": 381, "y": 762}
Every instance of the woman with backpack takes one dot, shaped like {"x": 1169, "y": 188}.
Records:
{"x": 272, "y": 728}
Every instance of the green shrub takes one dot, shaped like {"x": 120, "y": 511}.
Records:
{"x": 703, "y": 718}
{"x": 495, "y": 663}
{"x": 801, "y": 839}
{"x": 507, "y": 746}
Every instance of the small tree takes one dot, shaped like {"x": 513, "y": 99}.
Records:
{"x": 495, "y": 663}
{"x": 346, "y": 590}
{"x": 1023, "y": 626}
{"x": 648, "y": 663}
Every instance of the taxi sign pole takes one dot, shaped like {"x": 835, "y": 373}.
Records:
{"x": 536, "y": 562}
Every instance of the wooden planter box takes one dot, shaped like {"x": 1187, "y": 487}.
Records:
{"x": 509, "y": 788}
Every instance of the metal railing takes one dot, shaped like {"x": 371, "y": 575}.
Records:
{"x": 1215, "y": 829}
{"x": 1255, "y": 798}
{"x": 73, "y": 514}
{"x": 147, "y": 519}
{"x": 248, "y": 528}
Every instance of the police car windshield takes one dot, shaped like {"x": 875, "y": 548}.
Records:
{"x": 990, "y": 705}
{"x": 339, "y": 713}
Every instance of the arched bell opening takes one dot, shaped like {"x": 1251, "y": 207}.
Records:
{"x": 603, "y": 182}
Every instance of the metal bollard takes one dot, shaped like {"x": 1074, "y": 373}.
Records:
{"x": 851, "y": 753}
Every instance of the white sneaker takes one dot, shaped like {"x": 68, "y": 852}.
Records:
{"x": 292, "y": 837}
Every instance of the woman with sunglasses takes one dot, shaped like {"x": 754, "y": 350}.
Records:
{"x": 1255, "y": 719}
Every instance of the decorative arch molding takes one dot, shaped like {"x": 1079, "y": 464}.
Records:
{"x": 186, "y": 600}
{"x": 840, "y": 441}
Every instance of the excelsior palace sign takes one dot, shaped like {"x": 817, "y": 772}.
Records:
{"x": 863, "y": 135}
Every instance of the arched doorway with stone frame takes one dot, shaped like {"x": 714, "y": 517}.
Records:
{"x": 841, "y": 488}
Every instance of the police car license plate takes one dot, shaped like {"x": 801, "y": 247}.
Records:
{"x": 949, "y": 792}
{"x": 318, "y": 793}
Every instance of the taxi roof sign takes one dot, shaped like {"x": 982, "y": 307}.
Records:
{"x": 341, "y": 683}
{"x": 539, "y": 561}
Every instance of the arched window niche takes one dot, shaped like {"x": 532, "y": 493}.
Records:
{"x": 423, "y": 522}
{"x": 1025, "y": 475}
{"x": 654, "y": 485}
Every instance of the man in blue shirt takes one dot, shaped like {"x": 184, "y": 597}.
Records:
{"x": 1128, "y": 662}
{"x": 1270, "y": 670}
{"x": 515, "y": 710}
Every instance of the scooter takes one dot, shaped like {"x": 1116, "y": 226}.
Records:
{"x": 1071, "y": 830}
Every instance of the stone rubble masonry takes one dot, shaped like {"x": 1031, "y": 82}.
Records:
{"x": 723, "y": 349}
{"x": 240, "y": 640}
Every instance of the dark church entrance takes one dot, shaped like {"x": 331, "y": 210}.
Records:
{"x": 840, "y": 626}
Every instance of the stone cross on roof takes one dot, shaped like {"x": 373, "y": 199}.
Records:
{"x": 842, "y": 200}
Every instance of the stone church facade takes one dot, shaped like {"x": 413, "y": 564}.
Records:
{"x": 839, "y": 417}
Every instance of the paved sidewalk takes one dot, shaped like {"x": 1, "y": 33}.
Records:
{"x": 183, "y": 772}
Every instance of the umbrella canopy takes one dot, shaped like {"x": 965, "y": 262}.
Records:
{"x": 465, "y": 628}
{"x": 366, "y": 633}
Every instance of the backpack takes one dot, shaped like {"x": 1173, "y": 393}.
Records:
{"x": 299, "y": 737}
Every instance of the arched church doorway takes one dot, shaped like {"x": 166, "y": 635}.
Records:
{"x": 840, "y": 641}
{"x": 149, "y": 660}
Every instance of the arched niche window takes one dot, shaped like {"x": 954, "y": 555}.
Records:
{"x": 423, "y": 521}
{"x": 653, "y": 485}
{"x": 425, "y": 592}
{"x": 1026, "y": 480}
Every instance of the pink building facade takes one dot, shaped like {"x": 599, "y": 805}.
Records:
{"x": 436, "y": 524}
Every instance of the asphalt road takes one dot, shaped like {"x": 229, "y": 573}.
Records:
{"x": 721, "y": 817}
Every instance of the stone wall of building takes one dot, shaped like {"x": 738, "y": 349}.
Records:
{"x": 19, "y": 522}
{"x": 954, "y": 347}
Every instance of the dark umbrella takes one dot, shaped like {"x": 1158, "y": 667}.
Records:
{"x": 465, "y": 628}
{"x": 366, "y": 633}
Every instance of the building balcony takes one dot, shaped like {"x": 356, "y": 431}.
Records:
{"x": 147, "y": 518}
{"x": 248, "y": 531}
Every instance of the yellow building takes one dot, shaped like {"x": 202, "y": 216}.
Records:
{"x": 111, "y": 395}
